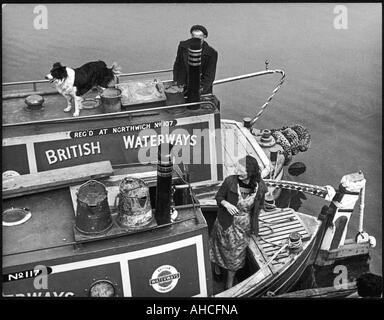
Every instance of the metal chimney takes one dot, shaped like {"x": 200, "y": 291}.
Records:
{"x": 194, "y": 65}
{"x": 164, "y": 184}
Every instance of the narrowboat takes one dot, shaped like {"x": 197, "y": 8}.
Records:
{"x": 119, "y": 201}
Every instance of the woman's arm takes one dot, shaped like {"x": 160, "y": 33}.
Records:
{"x": 222, "y": 192}
{"x": 221, "y": 198}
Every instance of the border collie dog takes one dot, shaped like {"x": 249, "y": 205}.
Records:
{"x": 74, "y": 83}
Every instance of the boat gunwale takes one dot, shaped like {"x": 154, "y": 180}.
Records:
{"x": 253, "y": 142}
{"x": 119, "y": 114}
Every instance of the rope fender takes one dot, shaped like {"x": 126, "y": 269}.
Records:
{"x": 293, "y": 139}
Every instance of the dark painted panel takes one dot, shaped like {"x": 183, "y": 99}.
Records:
{"x": 68, "y": 283}
{"x": 168, "y": 274}
{"x": 15, "y": 158}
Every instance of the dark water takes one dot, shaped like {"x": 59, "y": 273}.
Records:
{"x": 333, "y": 77}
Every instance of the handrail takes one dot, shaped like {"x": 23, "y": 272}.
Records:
{"x": 221, "y": 81}
{"x": 256, "y": 74}
{"x": 142, "y": 73}
{"x": 119, "y": 76}
{"x": 243, "y": 76}
{"x": 316, "y": 190}
{"x": 119, "y": 114}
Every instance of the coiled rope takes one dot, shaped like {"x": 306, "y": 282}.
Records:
{"x": 294, "y": 245}
{"x": 271, "y": 96}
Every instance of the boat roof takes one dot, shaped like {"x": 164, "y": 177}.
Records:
{"x": 50, "y": 233}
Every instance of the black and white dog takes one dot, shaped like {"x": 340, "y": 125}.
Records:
{"x": 74, "y": 83}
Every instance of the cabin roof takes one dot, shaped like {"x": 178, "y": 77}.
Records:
{"x": 50, "y": 232}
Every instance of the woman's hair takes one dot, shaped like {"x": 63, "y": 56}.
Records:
{"x": 252, "y": 168}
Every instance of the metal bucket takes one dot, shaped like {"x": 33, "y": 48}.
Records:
{"x": 93, "y": 215}
{"x": 134, "y": 204}
{"x": 174, "y": 95}
{"x": 111, "y": 100}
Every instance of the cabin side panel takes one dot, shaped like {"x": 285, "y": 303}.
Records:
{"x": 169, "y": 269}
{"x": 124, "y": 143}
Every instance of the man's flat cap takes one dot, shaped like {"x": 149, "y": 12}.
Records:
{"x": 200, "y": 28}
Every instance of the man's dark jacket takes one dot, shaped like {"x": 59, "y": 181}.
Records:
{"x": 208, "y": 65}
{"x": 228, "y": 191}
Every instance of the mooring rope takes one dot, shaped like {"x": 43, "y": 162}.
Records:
{"x": 295, "y": 244}
{"x": 270, "y": 97}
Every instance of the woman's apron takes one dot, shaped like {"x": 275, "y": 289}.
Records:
{"x": 228, "y": 247}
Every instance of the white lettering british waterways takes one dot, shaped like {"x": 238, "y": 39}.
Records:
{"x": 74, "y": 151}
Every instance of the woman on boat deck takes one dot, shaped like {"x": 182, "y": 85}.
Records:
{"x": 239, "y": 200}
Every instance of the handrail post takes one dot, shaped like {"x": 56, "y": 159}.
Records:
{"x": 256, "y": 74}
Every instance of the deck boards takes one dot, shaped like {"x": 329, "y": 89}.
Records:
{"x": 283, "y": 222}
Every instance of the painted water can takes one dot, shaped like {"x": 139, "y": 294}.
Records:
{"x": 134, "y": 204}
{"x": 93, "y": 215}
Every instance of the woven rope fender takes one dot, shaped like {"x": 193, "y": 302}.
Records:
{"x": 304, "y": 137}
{"x": 292, "y": 139}
{"x": 283, "y": 141}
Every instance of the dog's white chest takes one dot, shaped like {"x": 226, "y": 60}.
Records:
{"x": 66, "y": 87}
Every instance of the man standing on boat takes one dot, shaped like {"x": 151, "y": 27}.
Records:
{"x": 208, "y": 61}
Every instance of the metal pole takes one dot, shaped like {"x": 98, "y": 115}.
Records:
{"x": 362, "y": 205}
{"x": 120, "y": 75}
{"x": 245, "y": 76}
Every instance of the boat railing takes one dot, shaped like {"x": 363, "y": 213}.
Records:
{"x": 251, "y": 121}
{"x": 34, "y": 83}
{"x": 320, "y": 191}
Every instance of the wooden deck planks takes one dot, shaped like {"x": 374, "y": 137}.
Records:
{"x": 264, "y": 227}
{"x": 293, "y": 228}
{"x": 283, "y": 222}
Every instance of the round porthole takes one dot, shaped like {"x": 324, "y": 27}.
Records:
{"x": 15, "y": 216}
{"x": 102, "y": 288}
